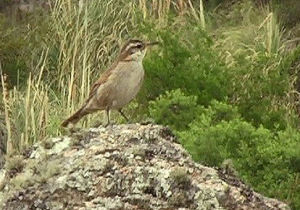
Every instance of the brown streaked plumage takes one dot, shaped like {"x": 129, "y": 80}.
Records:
{"x": 118, "y": 85}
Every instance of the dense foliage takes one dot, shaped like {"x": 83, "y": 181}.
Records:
{"x": 224, "y": 79}
{"x": 268, "y": 160}
{"x": 238, "y": 107}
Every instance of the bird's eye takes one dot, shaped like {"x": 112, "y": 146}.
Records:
{"x": 139, "y": 46}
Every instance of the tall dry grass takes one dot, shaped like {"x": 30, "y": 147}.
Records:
{"x": 6, "y": 113}
{"x": 83, "y": 39}
{"x": 161, "y": 9}
{"x": 255, "y": 34}
{"x": 86, "y": 34}
{"x": 248, "y": 31}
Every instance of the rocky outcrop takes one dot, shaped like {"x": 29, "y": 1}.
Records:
{"x": 121, "y": 167}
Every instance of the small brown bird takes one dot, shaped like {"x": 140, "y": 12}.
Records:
{"x": 118, "y": 85}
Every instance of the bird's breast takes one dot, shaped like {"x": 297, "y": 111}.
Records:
{"x": 129, "y": 80}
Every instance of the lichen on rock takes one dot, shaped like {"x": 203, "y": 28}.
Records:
{"x": 123, "y": 167}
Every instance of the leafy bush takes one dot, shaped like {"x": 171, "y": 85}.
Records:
{"x": 174, "y": 109}
{"x": 263, "y": 104}
{"x": 265, "y": 159}
{"x": 187, "y": 61}
{"x": 205, "y": 138}
{"x": 226, "y": 69}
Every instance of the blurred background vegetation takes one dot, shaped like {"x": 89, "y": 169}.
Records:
{"x": 225, "y": 78}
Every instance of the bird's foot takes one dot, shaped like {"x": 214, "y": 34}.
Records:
{"x": 109, "y": 124}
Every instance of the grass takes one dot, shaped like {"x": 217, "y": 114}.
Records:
{"x": 80, "y": 41}
{"x": 6, "y": 114}
{"x": 76, "y": 48}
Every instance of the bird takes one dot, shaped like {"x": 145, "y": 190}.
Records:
{"x": 118, "y": 85}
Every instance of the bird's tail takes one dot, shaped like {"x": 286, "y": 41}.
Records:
{"x": 75, "y": 117}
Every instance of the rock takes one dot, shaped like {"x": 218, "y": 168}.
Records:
{"x": 124, "y": 167}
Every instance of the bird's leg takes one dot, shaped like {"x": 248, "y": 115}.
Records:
{"x": 107, "y": 114}
{"x": 120, "y": 111}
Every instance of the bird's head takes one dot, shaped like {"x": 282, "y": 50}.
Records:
{"x": 135, "y": 50}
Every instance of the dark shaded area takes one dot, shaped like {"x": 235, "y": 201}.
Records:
{"x": 253, "y": 200}
{"x": 3, "y": 137}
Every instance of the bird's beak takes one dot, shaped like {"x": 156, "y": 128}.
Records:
{"x": 150, "y": 44}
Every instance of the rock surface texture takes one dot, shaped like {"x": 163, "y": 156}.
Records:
{"x": 121, "y": 167}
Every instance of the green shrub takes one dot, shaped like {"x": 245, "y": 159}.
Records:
{"x": 253, "y": 77}
{"x": 209, "y": 135}
{"x": 267, "y": 160}
{"x": 262, "y": 92}
{"x": 174, "y": 109}
{"x": 185, "y": 60}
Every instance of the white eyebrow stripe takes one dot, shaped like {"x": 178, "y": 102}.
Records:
{"x": 132, "y": 45}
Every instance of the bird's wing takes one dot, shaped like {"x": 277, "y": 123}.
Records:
{"x": 99, "y": 82}
{"x": 103, "y": 78}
